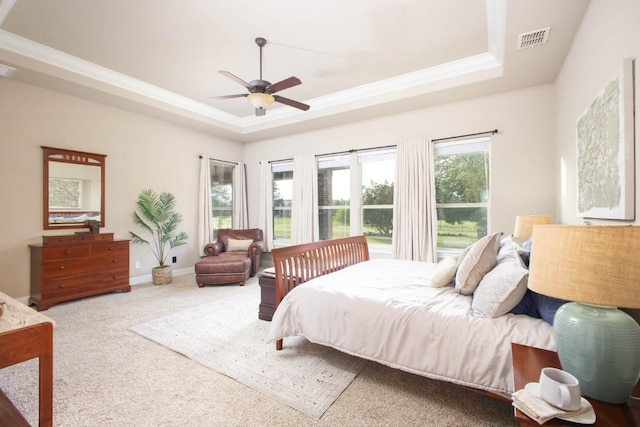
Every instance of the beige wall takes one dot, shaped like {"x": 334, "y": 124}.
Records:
{"x": 522, "y": 164}
{"x": 142, "y": 153}
{"x": 145, "y": 152}
{"x": 609, "y": 33}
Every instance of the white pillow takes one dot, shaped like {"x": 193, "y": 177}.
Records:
{"x": 234, "y": 245}
{"x": 480, "y": 259}
{"x": 445, "y": 272}
{"x": 502, "y": 288}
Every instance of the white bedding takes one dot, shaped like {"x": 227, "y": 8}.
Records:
{"x": 386, "y": 311}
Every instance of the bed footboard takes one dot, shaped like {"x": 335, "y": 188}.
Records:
{"x": 299, "y": 263}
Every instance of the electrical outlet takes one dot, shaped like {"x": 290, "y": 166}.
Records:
{"x": 137, "y": 264}
{"x": 174, "y": 259}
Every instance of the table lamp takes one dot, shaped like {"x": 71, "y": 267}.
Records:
{"x": 524, "y": 226}
{"x": 598, "y": 268}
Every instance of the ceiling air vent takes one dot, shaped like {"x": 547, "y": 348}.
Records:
{"x": 533, "y": 38}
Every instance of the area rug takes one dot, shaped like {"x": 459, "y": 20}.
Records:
{"x": 228, "y": 337}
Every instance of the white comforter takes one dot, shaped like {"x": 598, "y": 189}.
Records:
{"x": 386, "y": 311}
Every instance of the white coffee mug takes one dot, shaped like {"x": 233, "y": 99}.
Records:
{"x": 560, "y": 389}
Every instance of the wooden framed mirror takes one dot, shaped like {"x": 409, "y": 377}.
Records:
{"x": 73, "y": 188}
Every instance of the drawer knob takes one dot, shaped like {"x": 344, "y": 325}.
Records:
{"x": 62, "y": 267}
{"x": 111, "y": 248}
{"x": 62, "y": 286}
{"x": 115, "y": 260}
{"x": 67, "y": 252}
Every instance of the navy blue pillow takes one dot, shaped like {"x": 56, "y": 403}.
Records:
{"x": 547, "y": 306}
{"x": 527, "y": 305}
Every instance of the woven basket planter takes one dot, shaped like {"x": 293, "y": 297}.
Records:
{"x": 161, "y": 275}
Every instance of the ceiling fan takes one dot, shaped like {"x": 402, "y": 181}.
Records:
{"x": 261, "y": 92}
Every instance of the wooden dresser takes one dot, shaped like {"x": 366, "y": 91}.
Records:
{"x": 78, "y": 265}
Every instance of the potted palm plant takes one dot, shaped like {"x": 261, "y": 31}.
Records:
{"x": 156, "y": 215}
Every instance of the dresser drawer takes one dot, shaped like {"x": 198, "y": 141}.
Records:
{"x": 92, "y": 237}
{"x": 80, "y": 266}
{"x": 111, "y": 248}
{"x": 65, "y": 252}
{"x": 84, "y": 285}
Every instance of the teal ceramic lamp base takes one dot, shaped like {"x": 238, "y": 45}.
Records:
{"x": 601, "y": 347}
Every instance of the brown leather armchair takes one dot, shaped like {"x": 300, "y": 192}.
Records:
{"x": 253, "y": 251}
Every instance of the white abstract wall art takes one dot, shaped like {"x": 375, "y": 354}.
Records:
{"x": 605, "y": 151}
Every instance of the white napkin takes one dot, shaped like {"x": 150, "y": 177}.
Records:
{"x": 538, "y": 409}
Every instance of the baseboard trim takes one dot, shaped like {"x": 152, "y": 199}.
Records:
{"x": 138, "y": 280}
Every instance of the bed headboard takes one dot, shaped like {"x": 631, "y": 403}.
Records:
{"x": 299, "y": 263}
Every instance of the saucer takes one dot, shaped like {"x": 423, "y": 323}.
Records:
{"x": 589, "y": 417}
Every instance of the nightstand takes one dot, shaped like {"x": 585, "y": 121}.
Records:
{"x": 527, "y": 364}
{"x": 267, "y": 307}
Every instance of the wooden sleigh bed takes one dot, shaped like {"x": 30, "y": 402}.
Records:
{"x": 386, "y": 311}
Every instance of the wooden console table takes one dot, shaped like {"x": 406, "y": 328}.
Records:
{"x": 26, "y": 334}
{"x": 527, "y": 364}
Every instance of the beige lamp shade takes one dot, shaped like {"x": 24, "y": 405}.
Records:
{"x": 525, "y": 223}
{"x": 587, "y": 263}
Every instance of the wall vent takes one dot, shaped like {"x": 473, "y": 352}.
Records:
{"x": 533, "y": 38}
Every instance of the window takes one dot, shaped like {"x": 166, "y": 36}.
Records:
{"x": 334, "y": 213}
{"x": 282, "y": 194}
{"x": 378, "y": 174}
{"x": 221, "y": 195}
{"x": 462, "y": 191}
{"x": 355, "y": 196}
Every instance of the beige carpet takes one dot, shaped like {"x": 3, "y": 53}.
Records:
{"x": 228, "y": 337}
{"x": 106, "y": 375}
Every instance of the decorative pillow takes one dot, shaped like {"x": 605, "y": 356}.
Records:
{"x": 547, "y": 306}
{"x": 234, "y": 245}
{"x": 526, "y": 306}
{"x": 445, "y": 272}
{"x": 463, "y": 254}
{"x": 501, "y": 289}
{"x": 480, "y": 259}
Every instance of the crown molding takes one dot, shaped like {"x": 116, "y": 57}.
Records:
{"x": 475, "y": 68}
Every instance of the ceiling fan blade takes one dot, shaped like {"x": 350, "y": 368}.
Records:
{"x": 291, "y": 102}
{"x": 240, "y": 95}
{"x": 236, "y": 79}
{"x": 284, "y": 84}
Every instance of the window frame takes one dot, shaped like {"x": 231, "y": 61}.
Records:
{"x": 276, "y": 167}
{"x": 356, "y": 206}
{"x": 230, "y": 165}
{"x": 465, "y": 146}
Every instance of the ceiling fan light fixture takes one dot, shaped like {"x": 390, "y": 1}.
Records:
{"x": 260, "y": 100}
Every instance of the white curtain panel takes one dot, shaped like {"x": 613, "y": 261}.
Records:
{"x": 414, "y": 202}
{"x": 265, "y": 201}
{"x": 204, "y": 205}
{"x": 240, "y": 211}
{"x": 304, "y": 200}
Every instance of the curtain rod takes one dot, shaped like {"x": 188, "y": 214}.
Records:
{"x": 218, "y": 160}
{"x": 489, "y": 132}
{"x": 448, "y": 138}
